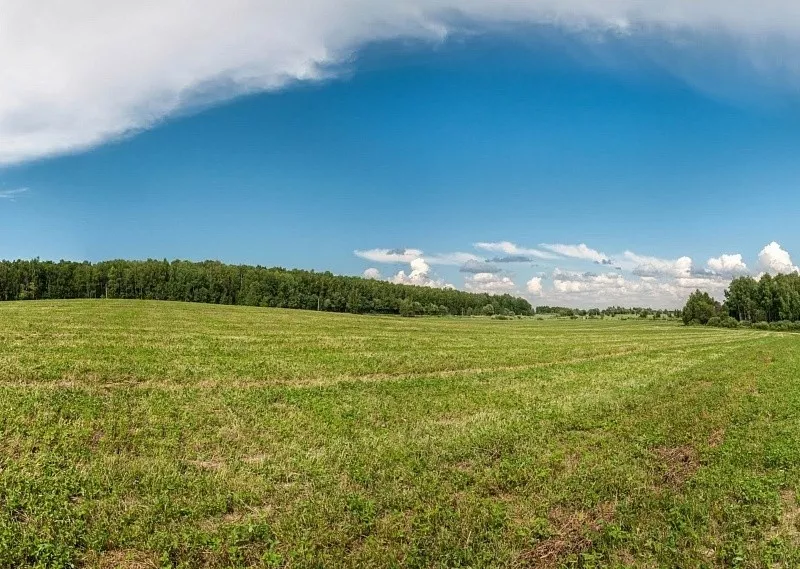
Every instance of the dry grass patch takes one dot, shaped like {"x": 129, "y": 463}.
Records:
{"x": 573, "y": 534}
{"x": 123, "y": 559}
{"x": 679, "y": 463}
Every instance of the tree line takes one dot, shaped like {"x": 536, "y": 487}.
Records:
{"x": 611, "y": 311}
{"x": 768, "y": 302}
{"x": 218, "y": 283}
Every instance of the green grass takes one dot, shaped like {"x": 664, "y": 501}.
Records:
{"x": 140, "y": 434}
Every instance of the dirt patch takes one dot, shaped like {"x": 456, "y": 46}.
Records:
{"x": 679, "y": 463}
{"x": 573, "y": 534}
{"x": 123, "y": 559}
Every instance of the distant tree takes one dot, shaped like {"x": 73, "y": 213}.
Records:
{"x": 700, "y": 307}
{"x": 488, "y": 310}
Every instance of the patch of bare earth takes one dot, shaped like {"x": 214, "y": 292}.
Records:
{"x": 573, "y": 534}
{"x": 679, "y": 463}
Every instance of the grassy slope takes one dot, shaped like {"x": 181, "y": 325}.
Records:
{"x": 141, "y": 434}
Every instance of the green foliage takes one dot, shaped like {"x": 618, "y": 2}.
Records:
{"x": 781, "y": 326}
{"x": 700, "y": 307}
{"x": 724, "y": 321}
{"x": 216, "y": 283}
{"x": 770, "y": 299}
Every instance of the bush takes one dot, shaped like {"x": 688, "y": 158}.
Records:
{"x": 715, "y": 321}
{"x": 729, "y": 322}
{"x": 781, "y": 326}
{"x": 761, "y": 326}
{"x": 795, "y": 327}
{"x": 502, "y": 317}
{"x": 746, "y": 324}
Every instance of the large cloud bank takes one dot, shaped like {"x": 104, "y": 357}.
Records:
{"x": 76, "y": 74}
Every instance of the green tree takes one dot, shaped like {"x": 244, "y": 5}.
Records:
{"x": 700, "y": 307}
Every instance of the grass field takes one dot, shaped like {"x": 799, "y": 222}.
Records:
{"x": 142, "y": 434}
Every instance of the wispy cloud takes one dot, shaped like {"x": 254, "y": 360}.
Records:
{"x": 477, "y": 267}
{"x": 513, "y": 250}
{"x": 581, "y": 251}
{"x": 70, "y": 81}
{"x": 12, "y": 195}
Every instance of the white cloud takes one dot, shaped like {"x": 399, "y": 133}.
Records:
{"x": 389, "y": 255}
{"x": 534, "y": 286}
{"x": 12, "y": 195}
{"x": 76, "y": 74}
{"x": 408, "y": 255}
{"x": 569, "y": 282}
{"x": 508, "y": 248}
{"x": 372, "y": 273}
{"x": 419, "y": 275}
{"x": 727, "y": 264}
{"x": 645, "y": 266}
{"x": 774, "y": 259}
{"x": 581, "y": 251}
{"x": 613, "y": 288}
{"x": 489, "y": 282}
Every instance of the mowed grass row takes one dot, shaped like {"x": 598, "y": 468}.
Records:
{"x": 140, "y": 434}
{"x": 178, "y": 343}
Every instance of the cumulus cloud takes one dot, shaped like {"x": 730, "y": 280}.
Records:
{"x": 581, "y": 251}
{"x": 78, "y": 73}
{"x": 513, "y": 250}
{"x": 775, "y": 259}
{"x": 588, "y": 289}
{"x": 419, "y": 275}
{"x": 644, "y": 266}
{"x": 611, "y": 284}
{"x": 372, "y": 273}
{"x": 727, "y": 265}
{"x": 534, "y": 286}
{"x": 490, "y": 283}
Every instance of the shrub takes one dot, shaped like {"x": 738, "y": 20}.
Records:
{"x": 761, "y": 325}
{"x": 746, "y": 324}
{"x": 502, "y": 317}
{"x": 729, "y": 322}
{"x": 795, "y": 327}
{"x": 781, "y": 326}
{"x": 715, "y": 321}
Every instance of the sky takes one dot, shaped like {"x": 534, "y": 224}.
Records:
{"x": 574, "y": 152}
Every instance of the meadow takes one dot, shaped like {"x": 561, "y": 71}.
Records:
{"x": 142, "y": 434}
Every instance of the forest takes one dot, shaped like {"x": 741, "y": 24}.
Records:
{"x": 773, "y": 301}
{"x": 218, "y": 283}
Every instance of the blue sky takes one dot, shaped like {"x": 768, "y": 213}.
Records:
{"x": 611, "y": 168}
